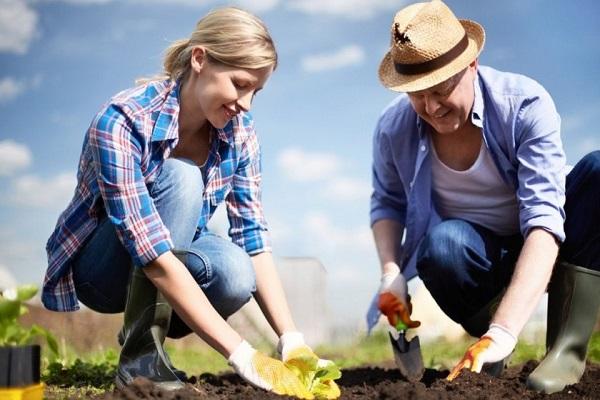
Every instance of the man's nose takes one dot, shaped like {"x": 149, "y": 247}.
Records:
{"x": 432, "y": 104}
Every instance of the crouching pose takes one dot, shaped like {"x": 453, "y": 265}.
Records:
{"x": 469, "y": 164}
{"x": 156, "y": 162}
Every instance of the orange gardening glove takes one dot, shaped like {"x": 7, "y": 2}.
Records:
{"x": 495, "y": 345}
{"x": 394, "y": 301}
{"x": 266, "y": 372}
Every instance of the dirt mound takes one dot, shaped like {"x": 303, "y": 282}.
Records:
{"x": 375, "y": 383}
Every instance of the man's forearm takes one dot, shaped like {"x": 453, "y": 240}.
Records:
{"x": 270, "y": 295}
{"x": 529, "y": 281}
{"x": 387, "y": 234}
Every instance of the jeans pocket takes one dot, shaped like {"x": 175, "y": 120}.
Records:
{"x": 98, "y": 301}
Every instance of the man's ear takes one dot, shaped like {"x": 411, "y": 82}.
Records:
{"x": 198, "y": 58}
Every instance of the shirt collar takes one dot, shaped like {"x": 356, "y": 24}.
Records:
{"x": 477, "y": 112}
{"x": 166, "y": 126}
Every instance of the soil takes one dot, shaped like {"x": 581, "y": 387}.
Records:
{"x": 376, "y": 383}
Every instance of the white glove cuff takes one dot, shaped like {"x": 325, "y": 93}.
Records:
{"x": 388, "y": 278}
{"x": 242, "y": 355}
{"x": 289, "y": 341}
{"x": 502, "y": 336}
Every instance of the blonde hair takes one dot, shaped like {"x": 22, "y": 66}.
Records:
{"x": 230, "y": 36}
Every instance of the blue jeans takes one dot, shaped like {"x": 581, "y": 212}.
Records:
{"x": 222, "y": 269}
{"x": 465, "y": 266}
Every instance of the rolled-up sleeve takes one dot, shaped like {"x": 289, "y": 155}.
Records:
{"x": 388, "y": 200}
{"x": 117, "y": 152}
{"x": 541, "y": 172}
{"x": 247, "y": 224}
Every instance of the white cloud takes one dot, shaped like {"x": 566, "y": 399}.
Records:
{"x": 354, "y": 9}
{"x": 18, "y": 24}
{"x": 13, "y": 157}
{"x": 348, "y": 189}
{"x": 324, "y": 232}
{"x": 343, "y": 57}
{"x": 33, "y": 191}
{"x": 301, "y": 166}
{"x": 11, "y": 88}
{"x": 257, "y": 5}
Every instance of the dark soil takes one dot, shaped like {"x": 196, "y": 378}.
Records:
{"x": 377, "y": 383}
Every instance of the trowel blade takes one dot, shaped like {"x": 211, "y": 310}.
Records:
{"x": 407, "y": 355}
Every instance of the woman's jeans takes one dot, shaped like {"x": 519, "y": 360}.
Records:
{"x": 222, "y": 269}
{"x": 465, "y": 266}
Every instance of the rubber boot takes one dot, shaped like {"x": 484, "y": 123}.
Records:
{"x": 146, "y": 321}
{"x": 477, "y": 326}
{"x": 573, "y": 303}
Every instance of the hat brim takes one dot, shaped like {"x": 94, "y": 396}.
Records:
{"x": 397, "y": 82}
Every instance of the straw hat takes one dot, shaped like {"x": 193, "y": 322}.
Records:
{"x": 429, "y": 45}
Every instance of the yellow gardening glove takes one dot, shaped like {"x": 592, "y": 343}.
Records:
{"x": 495, "y": 345}
{"x": 316, "y": 374}
{"x": 266, "y": 372}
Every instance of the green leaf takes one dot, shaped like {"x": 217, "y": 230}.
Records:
{"x": 9, "y": 309}
{"x": 26, "y": 292}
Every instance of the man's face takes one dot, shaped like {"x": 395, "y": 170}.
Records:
{"x": 447, "y": 105}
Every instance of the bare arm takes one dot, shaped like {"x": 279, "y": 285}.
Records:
{"x": 529, "y": 281}
{"x": 270, "y": 296}
{"x": 175, "y": 282}
{"x": 387, "y": 234}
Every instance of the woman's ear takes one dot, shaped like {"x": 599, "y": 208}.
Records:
{"x": 198, "y": 58}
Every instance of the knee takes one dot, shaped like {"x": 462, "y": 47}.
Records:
{"x": 591, "y": 164}
{"x": 442, "y": 250}
{"x": 238, "y": 282}
{"x": 181, "y": 180}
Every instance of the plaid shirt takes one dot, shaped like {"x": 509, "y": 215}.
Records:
{"x": 123, "y": 151}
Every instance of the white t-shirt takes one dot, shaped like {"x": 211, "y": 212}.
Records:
{"x": 478, "y": 194}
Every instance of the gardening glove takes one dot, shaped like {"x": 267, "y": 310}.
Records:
{"x": 315, "y": 373}
{"x": 266, "y": 372}
{"x": 495, "y": 345}
{"x": 394, "y": 301}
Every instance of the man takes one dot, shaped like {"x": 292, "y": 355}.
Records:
{"x": 469, "y": 193}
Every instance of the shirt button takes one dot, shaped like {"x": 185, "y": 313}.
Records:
{"x": 423, "y": 147}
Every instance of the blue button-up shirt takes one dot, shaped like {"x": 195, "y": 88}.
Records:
{"x": 521, "y": 129}
{"x": 122, "y": 154}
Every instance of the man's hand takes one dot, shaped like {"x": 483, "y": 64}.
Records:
{"x": 494, "y": 346}
{"x": 394, "y": 301}
{"x": 266, "y": 373}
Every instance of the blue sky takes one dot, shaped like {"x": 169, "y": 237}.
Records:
{"x": 60, "y": 60}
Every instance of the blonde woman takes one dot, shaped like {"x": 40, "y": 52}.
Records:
{"x": 156, "y": 162}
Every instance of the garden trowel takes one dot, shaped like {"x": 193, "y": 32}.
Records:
{"x": 407, "y": 354}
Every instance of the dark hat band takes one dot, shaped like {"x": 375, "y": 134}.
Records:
{"x": 438, "y": 62}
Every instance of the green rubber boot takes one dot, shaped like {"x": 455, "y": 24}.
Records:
{"x": 573, "y": 303}
{"x": 146, "y": 321}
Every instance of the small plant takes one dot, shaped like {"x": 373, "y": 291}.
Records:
{"x": 12, "y": 333}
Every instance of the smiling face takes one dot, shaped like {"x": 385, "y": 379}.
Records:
{"x": 218, "y": 92}
{"x": 447, "y": 106}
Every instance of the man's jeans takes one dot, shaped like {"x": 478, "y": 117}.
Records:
{"x": 465, "y": 266}
{"x": 222, "y": 269}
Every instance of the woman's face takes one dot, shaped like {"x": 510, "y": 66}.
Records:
{"x": 447, "y": 106}
{"x": 221, "y": 91}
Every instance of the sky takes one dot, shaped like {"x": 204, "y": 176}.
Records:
{"x": 60, "y": 60}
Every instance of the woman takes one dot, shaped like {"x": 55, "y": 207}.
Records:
{"x": 156, "y": 162}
